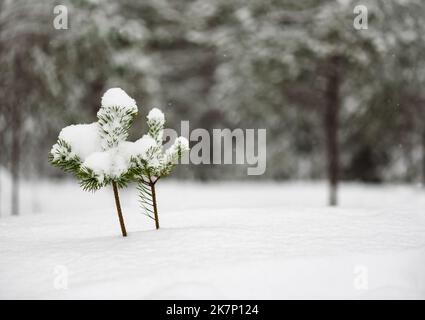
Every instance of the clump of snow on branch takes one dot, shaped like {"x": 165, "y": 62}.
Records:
{"x": 110, "y": 164}
{"x": 76, "y": 142}
{"x": 156, "y": 115}
{"x": 117, "y": 97}
{"x": 156, "y": 121}
{"x": 140, "y": 149}
{"x": 83, "y": 139}
{"x": 174, "y": 153}
{"x": 113, "y": 163}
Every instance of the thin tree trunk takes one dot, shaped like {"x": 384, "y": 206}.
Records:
{"x": 423, "y": 158}
{"x": 15, "y": 192}
{"x": 15, "y": 160}
{"x": 155, "y": 209}
{"x": 120, "y": 216}
{"x": 16, "y": 108}
{"x": 0, "y": 190}
{"x": 333, "y": 102}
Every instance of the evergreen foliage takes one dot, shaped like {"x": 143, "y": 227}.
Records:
{"x": 156, "y": 163}
{"x": 98, "y": 155}
{"x": 99, "y": 168}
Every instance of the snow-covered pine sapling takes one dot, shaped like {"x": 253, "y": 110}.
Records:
{"x": 97, "y": 153}
{"x": 154, "y": 163}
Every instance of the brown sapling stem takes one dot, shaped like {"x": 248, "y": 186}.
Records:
{"x": 117, "y": 203}
{"x": 155, "y": 208}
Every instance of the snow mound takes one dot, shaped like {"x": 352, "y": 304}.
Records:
{"x": 117, "y": 97}
{"x": 83, "y": 139}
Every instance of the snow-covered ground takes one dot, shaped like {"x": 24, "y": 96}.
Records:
{"x": 227, "y": 240}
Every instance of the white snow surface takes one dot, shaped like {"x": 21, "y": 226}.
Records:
{"x": 84, "y": 139}
{"x": 117, "y": 97}
{"x": 218, "y": 240}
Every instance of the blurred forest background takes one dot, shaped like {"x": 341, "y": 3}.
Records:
{"x": 337, "y": 103}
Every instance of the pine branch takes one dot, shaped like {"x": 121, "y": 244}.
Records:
{"x": 114, "y": 124}
{"x": 146, "y": 198}
{"x": 89, "y": 181}
{"x": 62, "y": 157}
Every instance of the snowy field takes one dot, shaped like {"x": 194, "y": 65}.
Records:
{"x": 219, "y": 241}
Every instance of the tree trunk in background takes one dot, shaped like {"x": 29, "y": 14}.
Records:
{"x": 423, "y": 158}
{"x": 0, "y": 192}
{"x": 333, "y": 101}
{"x": 16, "y": 106}
{"x": 15, "y": 158}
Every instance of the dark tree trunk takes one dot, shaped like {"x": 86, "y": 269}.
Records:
{"x": 120, "y": 216}
{"x": 333, "y": 101}
{"x": 15, "y": 158}
{"x": 155, "y": 209}
{"x": 0, "y": 191}
{"x": 423, "y": 158}
{"x": 16, "y": 107}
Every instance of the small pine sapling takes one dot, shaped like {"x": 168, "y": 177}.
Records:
{"x": 97, "y": 153}
{"x": 154, "y": 163}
